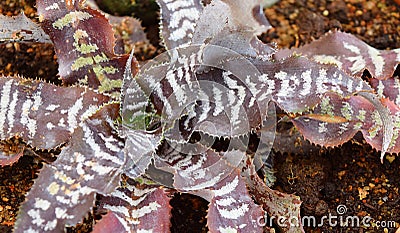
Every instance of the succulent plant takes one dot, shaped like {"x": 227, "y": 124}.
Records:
{"x": 185, "y": 121}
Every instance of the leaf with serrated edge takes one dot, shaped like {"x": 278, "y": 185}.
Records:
{"x": 139, "y": 149}
{"x": 350, "y": 54}
{"x": 212, "y": 99}
{"x": 65, "y": 189}
{"x": 42, "y": 114}
{"x": 297, "y": 83}
{"x": 204, "y": 170}
{"x": 335, "y": 120}
{"x": 84, "y": 43}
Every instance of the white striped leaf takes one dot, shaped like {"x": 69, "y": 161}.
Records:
{"x": 64, "y": 191}
{"x": 232, "y": 208}
{"x": 178, "y": 21}
{"x": 139, "y": 150}
{"x": 135, "y": 207}
{"x": 349, "y": 54}
{"x": 42, "y": 114}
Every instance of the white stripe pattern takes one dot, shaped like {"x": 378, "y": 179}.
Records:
{"x": 5, "y": 101}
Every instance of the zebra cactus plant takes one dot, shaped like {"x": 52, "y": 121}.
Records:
{"x": 133, "y": 136}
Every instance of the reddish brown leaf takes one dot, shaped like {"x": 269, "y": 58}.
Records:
{"x": 137, "y": 208}
{"x": 64, "y": 191}
{"x": 232, "y": 209}
{"x": 84, "y": 43}
{"x": 109, "y": 223}
{"x": 42, "y": 114}
{"x": 359, "y": 113}
{"x": 284, "y": 209}
{"x": 350, "y": 54}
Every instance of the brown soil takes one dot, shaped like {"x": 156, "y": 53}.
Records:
{"x": 350, "y": 175}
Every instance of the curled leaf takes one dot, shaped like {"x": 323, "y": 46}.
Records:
{"x": 127, "y": 30}
{"x": 234, "y": 25}
{"x": 84, "y": 43}
{"x": 281, "y": 206}
{"x": 10, "y": 152}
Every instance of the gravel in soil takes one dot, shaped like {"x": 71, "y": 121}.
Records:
{"x": 350, "y": 175}
{"x": 297, "y": 22}
{"x": 344, "y": 182}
